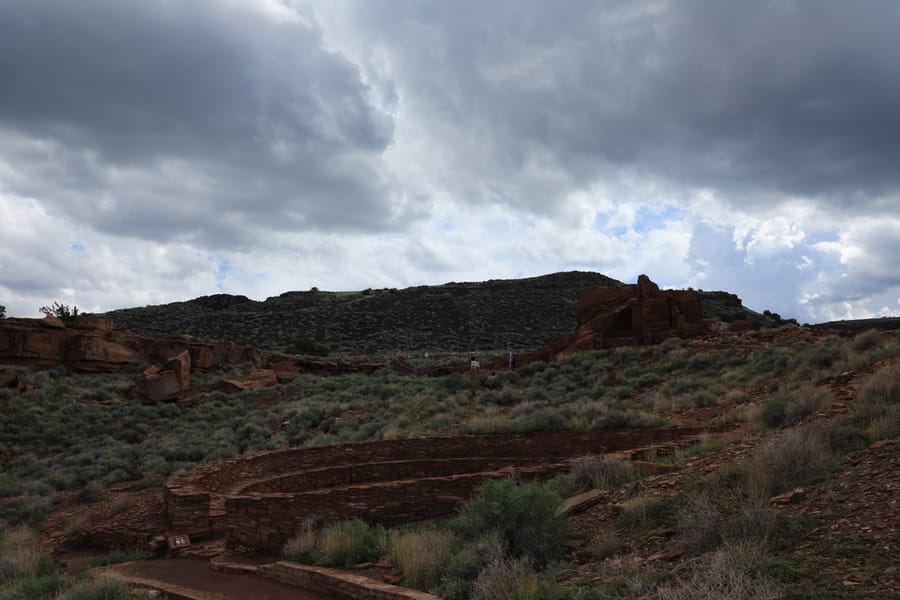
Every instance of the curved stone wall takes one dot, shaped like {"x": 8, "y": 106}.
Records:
{"x": 257, "y": 501}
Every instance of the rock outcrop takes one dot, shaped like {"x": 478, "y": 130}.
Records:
{"x": 87, "y": 344}
{"x": 159, "y": 384}
{"x": 627, "y": 316}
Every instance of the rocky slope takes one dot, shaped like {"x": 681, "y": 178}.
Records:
{"x": 461, "y": 317}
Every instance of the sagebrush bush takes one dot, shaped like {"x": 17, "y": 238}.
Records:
{"x": 523, "y": 515}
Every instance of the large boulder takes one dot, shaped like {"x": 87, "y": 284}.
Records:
{"x": 166, "y": 383}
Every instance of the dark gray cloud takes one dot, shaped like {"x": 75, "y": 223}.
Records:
{"x": 755, "y": 99}
{"x": 195, "y": 119}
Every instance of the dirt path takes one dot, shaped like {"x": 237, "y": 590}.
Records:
{"x": 196, "y": 579}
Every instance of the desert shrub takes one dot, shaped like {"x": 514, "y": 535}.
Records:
{"x": 731, "y": 573}
{"x": 699, "y": 522}
{"x": 347, "y": 543}
{"x": 507, "y": 579}
{"x": 522, "y": 515}
{"x": 768, "y": 361}
{"x": 774, "y": 413}
{"x": 878, "y": 392}
{"x": 34, "y": 587}
{"x": 702, "y": 361}
{"x": 21, "y": 555}
{"x": 605, "y": 544}
{"x": 826, "y": 353}
{"x": 421, "y": 555}
{"x": 625, "y": 356}
{"x": 490, "y": 423}
{"x": 649, "y": 512}
{"x": 101, "y": 590}
{"x": 700, "y": 398}
{"x": 601, "y": 472}
{"x": 465, "y": 562}
{"x": 625, "y": 419}
{"x": 302, "y": 545}
{"x": 866, "y": 341}
{"x": 683, "y": 385}
{"x": 543, "y": 419}
{"x": 669, "y": 344}
{"x": 92, "y": 492}
{"x": 532, "y": 368}
{"x": 673, "y": 361}
{"x": 795, "y": 457}
{"x": 647, "y": 380}
{"x": 807, "y": 400}
{"x": 28, "y": 510}
{"x": 9, "y": 486}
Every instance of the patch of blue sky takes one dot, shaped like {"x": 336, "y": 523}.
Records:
{"x": 223, "y": 269}
{"x": 76, "y": 247}
{"x": 657, "y": 216}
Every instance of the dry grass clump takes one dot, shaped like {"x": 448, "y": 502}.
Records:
{"x": 730, "y": 573}
{"x": 420, "y": 556}
{"x": 20, "y": 553}
{"x": 649, "y": 512}
{"x": 608, "y": 472}
{"x": 301, "y": 546}
{"x": 878, "y": 404}
{"x": 508, "y": 579}
{"x": 792, "y": 458}
{"x": 341, "y": 544}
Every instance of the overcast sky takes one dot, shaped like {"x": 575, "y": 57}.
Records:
{"x": 158, "y": 150}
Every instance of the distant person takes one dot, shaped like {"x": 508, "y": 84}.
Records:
{"x": 512, "y": 360}
{"x": 474, "y": 365}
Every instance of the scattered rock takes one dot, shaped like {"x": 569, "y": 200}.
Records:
{"x": 795, "y": 496}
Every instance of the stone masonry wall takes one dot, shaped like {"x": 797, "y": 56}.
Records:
{"x": 262, "y": 524}
{"x": 258, "y": 500}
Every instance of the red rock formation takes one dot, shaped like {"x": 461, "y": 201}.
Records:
{"x": 87, "y": 344}
{"x": 158, "y": 384}
{"x": 628, "y": 315}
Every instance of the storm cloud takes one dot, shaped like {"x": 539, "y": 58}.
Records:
{"x": 158, "y": 150}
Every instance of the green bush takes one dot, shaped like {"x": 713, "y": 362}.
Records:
{"x": 774, "y": 413}
{"x": 523, "y": 516}
{"x": 347, "y": 543}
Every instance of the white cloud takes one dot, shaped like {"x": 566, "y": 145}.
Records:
{"x": 151, "y": 154}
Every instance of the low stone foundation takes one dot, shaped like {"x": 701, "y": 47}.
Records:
{"x": 258, "y": 501}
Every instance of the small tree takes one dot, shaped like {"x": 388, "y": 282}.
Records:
{"x": 2, "y": 312}
{"x": 61, "y": 311}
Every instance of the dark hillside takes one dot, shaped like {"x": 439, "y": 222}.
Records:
{"x": 857, "y": 325}
{"x": 454, "y": 317}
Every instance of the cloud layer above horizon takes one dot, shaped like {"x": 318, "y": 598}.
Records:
{"x": 157, "y": 151}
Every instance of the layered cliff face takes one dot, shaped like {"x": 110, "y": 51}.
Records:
{"x": 94, "y": 345}
{"x": 629, "y": 315}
